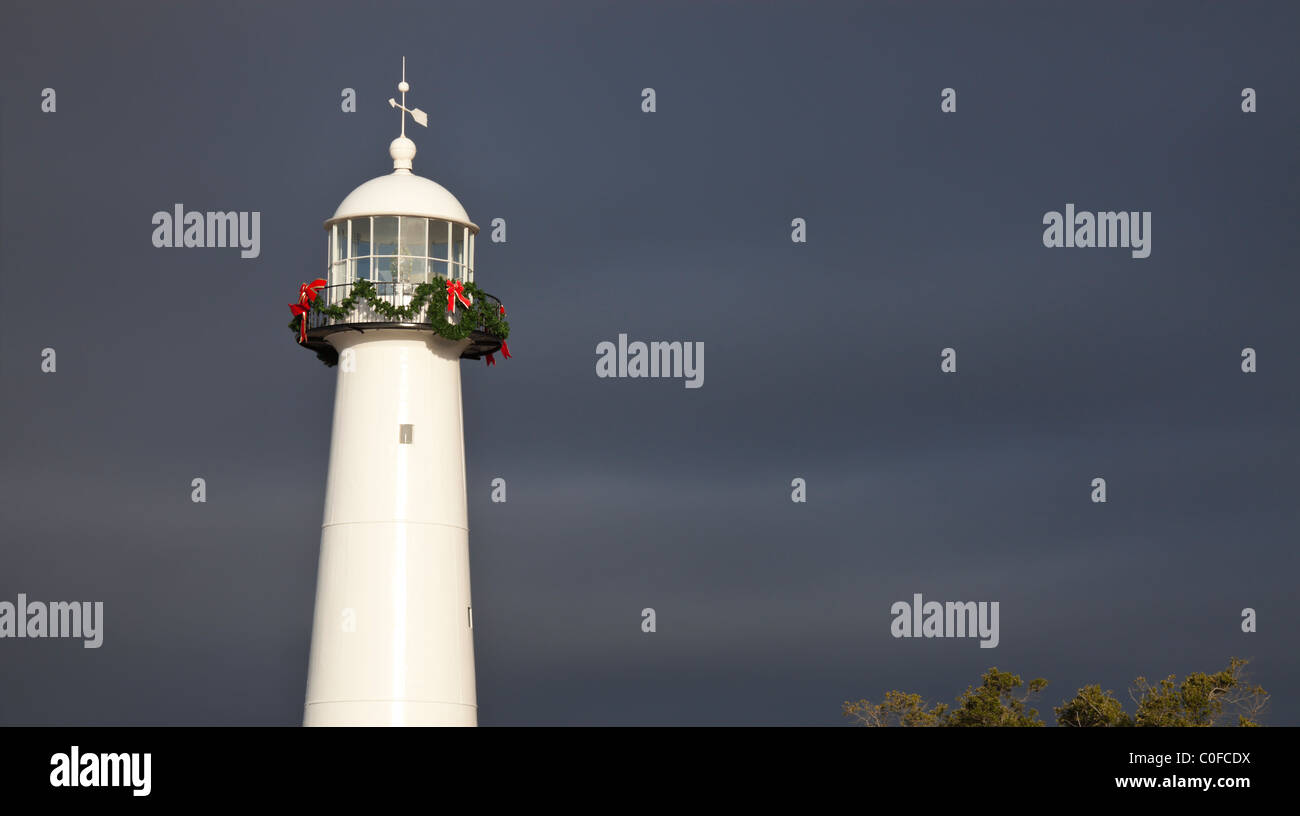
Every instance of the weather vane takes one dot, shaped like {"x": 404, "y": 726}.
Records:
{"x": 421, "y": 118}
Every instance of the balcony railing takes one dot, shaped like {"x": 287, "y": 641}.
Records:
{"x": 398, "y": 294}
{"x": 363, "y": 317}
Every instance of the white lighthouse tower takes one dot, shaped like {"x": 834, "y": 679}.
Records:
{"x": 392, "y": 637}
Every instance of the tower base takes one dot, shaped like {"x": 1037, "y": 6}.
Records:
{"x": 389, "y": 712}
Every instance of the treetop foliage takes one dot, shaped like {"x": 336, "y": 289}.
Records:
{"x": 1001, "y": 700}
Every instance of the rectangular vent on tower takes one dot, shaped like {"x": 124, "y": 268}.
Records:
{"x": 404, "y": 434}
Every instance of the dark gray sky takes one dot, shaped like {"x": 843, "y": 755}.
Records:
{"x": 821, "y": 359}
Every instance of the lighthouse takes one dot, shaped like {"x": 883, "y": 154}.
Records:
{"x": 395, "y": 313}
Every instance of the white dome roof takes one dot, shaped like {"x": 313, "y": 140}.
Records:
{"x": 403, "y": 193}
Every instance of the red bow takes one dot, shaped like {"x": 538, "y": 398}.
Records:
{"x": 455, "y": 292}
{"x": 306, "y": 296}
{"x": 504, "y": 350}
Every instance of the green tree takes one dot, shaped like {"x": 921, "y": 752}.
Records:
{"x": 899, "y": 709}
{"x": 1201, "y": 699}
{"x": 1222, "y": 698}
{"x": 1092, "y": 708}
{"x": 996, "y": 703}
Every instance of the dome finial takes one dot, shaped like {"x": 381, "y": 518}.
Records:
{"x": 403, "y": 149}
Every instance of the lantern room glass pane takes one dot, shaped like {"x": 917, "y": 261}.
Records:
{"x": 385, "y": 244}
{"x": 360, "y": 247}
{"x": 458, "y": 250}
{"x": 412, "y": 270}
{"x": 439, "y": 236}
{"x": 384, "y": 268}
{"x": 340, "y": 241}
{"x": 439, "y": 240}
{"x": 338, "y": 253}
{"x": 385, "y": 237}
{"x": 413, "y": 237}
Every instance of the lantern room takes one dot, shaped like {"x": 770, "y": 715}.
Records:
{"x": 396, "y": 233}
{"x": 400, "y": 229}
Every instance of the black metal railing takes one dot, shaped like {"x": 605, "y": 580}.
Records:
{"x": 398, "y": 294}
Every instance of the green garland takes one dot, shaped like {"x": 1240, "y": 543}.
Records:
{"x": 483, "y": 315}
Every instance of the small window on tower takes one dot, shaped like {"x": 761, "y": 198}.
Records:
{"x": 404, "y": 434}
